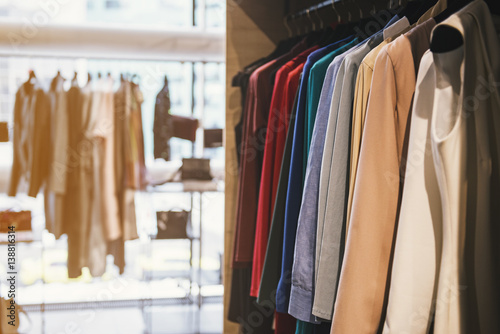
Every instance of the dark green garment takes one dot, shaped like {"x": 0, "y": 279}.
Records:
{"x": 272, "y": 264}
{"x": 308, "y": 328}
{"x": 304, "y": 327}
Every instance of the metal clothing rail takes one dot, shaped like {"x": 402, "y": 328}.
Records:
{"x": 321, "y": 5}
{"x": 6, "y": 53}
{"x": 126, "y": 303}
{"x": 333, "y": 3}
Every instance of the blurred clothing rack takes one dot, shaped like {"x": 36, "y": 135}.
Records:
{"x": 321, "y": 5}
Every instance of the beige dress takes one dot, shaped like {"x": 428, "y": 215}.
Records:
{"x": 105, "y": 224}
{"x": 55, "y": 189}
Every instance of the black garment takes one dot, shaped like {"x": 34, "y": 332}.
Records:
{"x": 244, "y": 309}
{"x": 162, "y": 127}
{"x": 241, "y": 80}
{"x": 323, "y": 328}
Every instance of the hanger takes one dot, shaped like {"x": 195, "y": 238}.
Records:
{"x": 296, "y": 26}
{"x": 361, "y": 14}
{"x": 339, "y": 18}
{"x": 32, "y": 75}
{"x": 308, "y": 12}
{"x": 349, "y": 15}
{"x": 374, "y": 9}
{"x": 165, "y": 85}
{"x": 324, "y": 31}
{"x": 74, "y": 81}
{"x": 133, "y": 78}
{"x": 321, "y": 25}
{"x": 55, "y": 80}
{"x": 298, "y": 20}
{"x": 122, "y": 79}
{"x": 285, "y": 22}
{"x": 99, "y": 75}
{"x": 299, "y": 31}
{"x": 30, "y": 83}
{"x": 89, "y": 77}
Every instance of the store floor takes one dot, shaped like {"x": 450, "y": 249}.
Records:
{"x": 175, "y": 319}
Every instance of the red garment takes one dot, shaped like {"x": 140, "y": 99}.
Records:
{"x": 284, "y": 323}
{"x": 277, "y": 127}
{"x": 293, "y": 85}
{"x": 256, "y": 110}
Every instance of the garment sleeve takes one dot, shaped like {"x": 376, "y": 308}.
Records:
{"x": 361, "y": 292}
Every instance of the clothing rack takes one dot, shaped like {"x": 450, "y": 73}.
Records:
{"x": 324, "y": 4}
{"x": 144, "y": 302}
{"x": 313, "y": 8}
{"x": 359, "y": 7}
{"x": 493, "y": 5}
